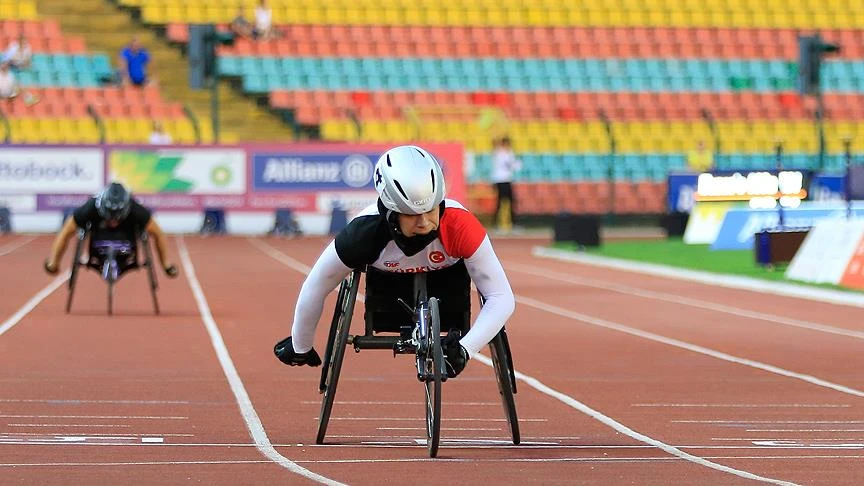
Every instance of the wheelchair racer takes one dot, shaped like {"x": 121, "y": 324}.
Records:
{"x": 115, "y": 216}
{"x": 411, "y": 228}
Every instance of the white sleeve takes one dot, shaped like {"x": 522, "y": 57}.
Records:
{"x": 488, "y": 276}
{"x": 325, "y": 275}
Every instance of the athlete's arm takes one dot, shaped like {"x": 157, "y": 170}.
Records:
{"x": 488, "y": 275}
{"x": 52, "y": 264}
{"x": 161, "y": 241}
{"x": 325, "y": 275}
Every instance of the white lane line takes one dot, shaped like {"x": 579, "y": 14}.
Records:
{"x": 572, "y": 402}
{"x": 106, "y": 417}
{"x": 280, "y": 257}
{"x": 354, "y": 402}
{"x": 539, "y": 386}
{"x": 250, "y": 416}
{"x": 676, "y": 299}
{"x": 800, "y": 291}
{"x": 684, "y": 345}
{"x": 443, "y": 419}
{"x": 101, "y": 434}
{"x": 803, "y": 430}
{"x": 72, "y": 401}
{"x": 747, "y": 422}
{"x": 33, "y": 302}
{"x": 742, "y": 405}
{"x": 410, "y": 460}
{"x": 451, "y": 429}
{"x": 116, "y": 426}
{"x": 7, "y": 249}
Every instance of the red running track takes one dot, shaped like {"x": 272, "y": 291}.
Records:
{"x": 626, "y": 378}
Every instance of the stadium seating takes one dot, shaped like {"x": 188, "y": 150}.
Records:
{"x": 65, "y": 97}
{"x": 588, "y": 91}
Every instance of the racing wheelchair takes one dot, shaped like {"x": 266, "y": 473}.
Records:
{"x": 112, "y": 259}
{"x": 422, "y": 338}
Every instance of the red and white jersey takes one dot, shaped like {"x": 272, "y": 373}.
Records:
{"x": 460, "y": 234}
{"x": 368, "y": 240}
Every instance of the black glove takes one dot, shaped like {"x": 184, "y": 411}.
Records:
{"x": 284, "y": 350}
{"x": 454, "y": 354}
{"x": 171, "y": 271}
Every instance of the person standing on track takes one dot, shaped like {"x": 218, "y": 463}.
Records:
{"x": 504, "y": 165}
{"x": 412, "y": 228}
{"x": 115, "y": 215}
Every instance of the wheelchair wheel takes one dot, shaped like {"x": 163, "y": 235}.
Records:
{"x": 344, "y": 288}
{"x": 110, "y": 297}
{"x": 76, "y": 262}
{"x": 334, "y": 364}
{"x": 434, "y": 363}
{"x": 505, "y": 376}
{"x": 151, "y": 271}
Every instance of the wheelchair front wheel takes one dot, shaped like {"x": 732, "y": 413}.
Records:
{"x": 334, "y": 363}
{"x": 501, "y": 363}
{"x": 434, "y": 367}
{"x": 76, "y": 262}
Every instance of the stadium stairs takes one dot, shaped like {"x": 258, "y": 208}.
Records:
{"x": 107, "y": 29}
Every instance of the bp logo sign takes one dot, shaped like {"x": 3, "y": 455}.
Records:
{"x": 221, "y": 175}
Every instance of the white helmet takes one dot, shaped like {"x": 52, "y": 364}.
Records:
{"x": 409, "y": 180}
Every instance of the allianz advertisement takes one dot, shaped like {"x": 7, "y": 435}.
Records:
{"x": 313, "y": 171}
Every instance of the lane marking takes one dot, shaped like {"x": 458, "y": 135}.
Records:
{"x": 9, "y": 248}
{"x": 106, "y": 417}
{"x": 707, "y": 278}
{"x": 354, "y": 402}
{"x": 570, "y": 401}
{"x": 443, "y": 419}
{"x": 743, "y": 405}
{"x": 451, "y": 429}
{"x": 33, "y": 302}
{"x": 409, "y": 460}
{"x": 120, "y": 426}
{"x": 699, "y": 304}
{"x": 101, "y": 434}
{"x": 803, "y": 430}
{"x": 594, "y": 321}
{"x": 69, "y": 401}
{"x": 743, "y": 422}
{"x": 250, "y": 416}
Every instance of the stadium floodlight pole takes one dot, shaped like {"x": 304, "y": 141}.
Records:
{"x": 7, "y": 128}
{"x": 847, "y": 186}
{"x": 610, "y": 173}
{"x": 779, "y": 159}
{"x": 214, "y": 106}
{"x": 706, "y": 115}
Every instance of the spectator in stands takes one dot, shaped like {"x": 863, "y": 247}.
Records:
{"x": 159, "y": 136}
{"x": 504, "y": 165}
{"x": 8, "y": 83}
{"x": 263, "y": 21}
{"x": 701, "y": 159}
{"x": 135, "y": 61}
{"x": 19, "y": 54}
{"x": 241, "y": 27}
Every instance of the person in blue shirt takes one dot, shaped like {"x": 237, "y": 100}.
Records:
{"x": 135, "y": 61}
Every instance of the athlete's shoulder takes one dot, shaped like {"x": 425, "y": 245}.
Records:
{"x": 362, "y": 239}
{"x": 461, "y": 231}
{"x": 85, "y": 213}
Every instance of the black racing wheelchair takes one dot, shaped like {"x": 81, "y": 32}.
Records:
{"x": 112, "y": 259}
{"x": 420, "y": 337}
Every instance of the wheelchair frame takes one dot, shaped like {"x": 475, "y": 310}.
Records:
{"x": 339, "y": 336}
{"x": 108, "y": 269}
